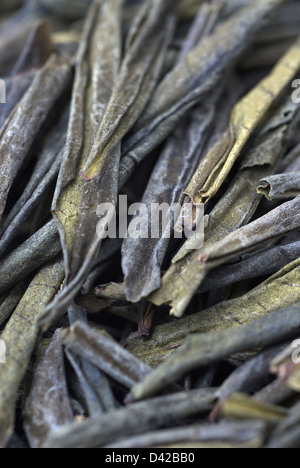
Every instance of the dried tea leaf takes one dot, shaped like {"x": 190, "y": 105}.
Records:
{"x": 202, "y": 26}
{"x": 43, "y": 175}
{"x": 105, "y": 353}
{"x": 19, "y": 131}
{"x": 230, "y": 432}
{"x": 145, "y": 49}
{"x": 264, "y": 262}
{"x": 280, "y": 186}
{"x": 277, "y": 292}
{"x": 91, "y": 398}
{"x": 251, "y": 375}
{"x": 98, "y": 394}
{"x": 192, "y": 79}
{"x": 156, "y": 413}
{"x": 114, "y": 291}
{"x": 246, "y": 117}
{"x": 36, "y": 52}
{"x": 10, "y": 301}
{"x": 47, "y": 406}
{"x": 239, "y": 406}
{"x": 169, "y": 177}
{"x": 69, "y": 10}
{"x": 203, "y": 349}
{"x": 20, "y": 336}
{"x": 166, "y": 185}
{"x": 274, "y": 393}
{"x": 286, "y": 434}
{"x": 275, "y": 224}
{"x": 43, "y": 246}
{"x": 94, "y": 56}
{"x": 234, "y": 210}
{"x": 286, "y": 366}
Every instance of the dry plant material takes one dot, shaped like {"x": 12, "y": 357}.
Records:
{"x": 105, "y": 353}
{"x": 48, "y": 406}
{"x": 23, "y": 323}
{"x": 157, "y": 412}
{"x": 19, "y": 131}
{"x": 246, "y": 117}
{"x": 249, "y": 434}
{"x": 239, "y": 406}
{"x": 189, "y": 82}
{"x": 234, "y": 210}
{"x": 281, "y": 186}
{"x": 89, "y": 174}
{"x": 204, "y": 349}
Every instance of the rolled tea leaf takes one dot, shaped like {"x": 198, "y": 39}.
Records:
{"x": 166, "y": 185}
{"x": 14, "y": 33}
{"x": 235, "y": 209}
{"x": 239, "y": 406}
{"x": 91, "y": 398}
{"x": 287, "y": 434}
{"x": 168, "y": 179}
{"x": 274, "y": 393}
{"x": 246, "y": 117}
{"x": 271, "y": 226}
{"x": 192, "y": 79}
{"x": 68, "y": 10}
{"x": 231, "y": 432}
{"x": 43, "y": 175}
{"x": 264, "y": 262}
{"x": 280, "y": 186}
{"x": 104, "y": 353}
{"x": 10, "y": 301}
{"x": 249, "y": 376}
{"x": 20, "y": 336}
{"x": 47, "y": 405}
{"x": 150, "y": 35}
{"x": 137, "y": 418}
{"x": 36, "y": 52}
{"x": 19, "y": 132}
{"x": 203, "y": 349}
{"x": 75, "y": 201}
{"x": 258, "y": 302}
{"x": 43, "y": 246}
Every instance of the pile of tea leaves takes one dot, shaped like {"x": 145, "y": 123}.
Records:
{"x": 118, "y": 329}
